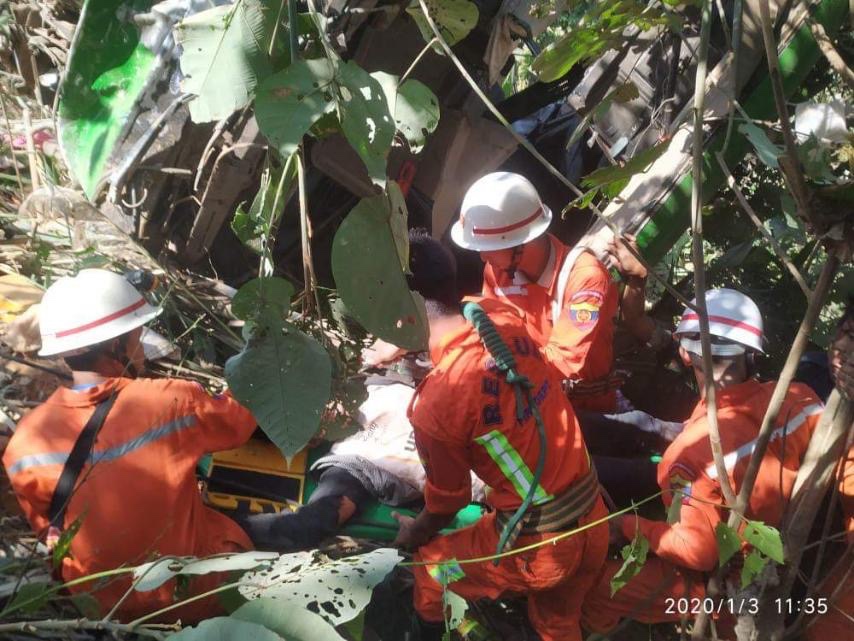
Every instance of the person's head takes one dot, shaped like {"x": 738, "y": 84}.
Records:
{"x": 736, "y": 332}
{"x": 94, "y": 321}
{"x": 503, "y": 218}
{"x": 433, "y": 274}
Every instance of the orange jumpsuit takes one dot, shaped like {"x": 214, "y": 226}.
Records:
{"x": 140, "y": 498}
{"x": 580, "y": 345}
{"x": 464, "y": 419}
{"x": 685, "y": 550}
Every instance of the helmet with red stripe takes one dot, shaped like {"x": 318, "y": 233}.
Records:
{"x": 499, "y": 211}
{"x": 89, "y": 308}
{"x": 735, "y": 324}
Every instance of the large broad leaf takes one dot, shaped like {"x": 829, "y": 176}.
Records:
{"x": 289, "y": 620}
{"x": 367, "y": 270}
{"x": 766, "y": 539}
{"x": 150, "y": 576}
{"x": 284, "y": 379}
{"x": 226, "y": 629}
{"x": 262, "y": 297}
{"x": 556, "y": 60}
{"x": 754, "y": 564}
{"x": 728, "y": 542}
{"x": 225, "y": 54}
{"x": 365, "y": 118}
{"x": 336, "y": 590}
{"x": 454, "y": 18}
{"x": 413, "y": 106}
{"x": 288, "y": 103}
{"x": 107, "y": 72}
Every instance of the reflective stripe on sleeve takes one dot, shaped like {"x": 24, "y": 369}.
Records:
{"x": 512, "y": 466}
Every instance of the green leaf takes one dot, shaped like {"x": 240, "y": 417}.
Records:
{"x": 268, "y": 295}
{"x": 337, "y": 590}
{"x": 397, "y": 222}
{"x": 766, "y": 150}
{"x": 284, "y": 380}
{"x": 816, "y": 156}
{"x": 454, "y": 19}
{"x": 638, "y": 163}
{"x": 674, "y": 511}
{"x": 754, "y": 563}
{"x": 365, "y": 118}
{"x": 766, "y": 539}
{"x": 366, "y": 267}
{"x": 288, "y": 103}
{"x": 38, "y": 592}
{"x": 556, "y": 60}
{"x": 728, "y": 542}
{"x": 413, "y": 106}
{"x": 259, "y": 221}
{"x": 455, "y": 607}
{"x": 226, "y": 629}
{"x": 224, "y": 56}
{"x": 63, "y": 545}
{"x": 87, "y": 605}
{"x": 291, "y": 621}
{"x": 108, "y": 70}
{"x": 634, "y": 558}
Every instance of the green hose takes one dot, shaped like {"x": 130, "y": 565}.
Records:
{"x": 505, "y": 362}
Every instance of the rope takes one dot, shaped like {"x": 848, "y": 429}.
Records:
{"x": 506, "y": 364}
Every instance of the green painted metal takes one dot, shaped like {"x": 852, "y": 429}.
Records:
{"x": 107, "y": 71}
{"x": 671, "y": 220}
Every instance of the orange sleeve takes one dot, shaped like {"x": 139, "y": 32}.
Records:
{"x": 846, "y": 492}
{"x": 691, "y": 542}
{"x": 223, "y": 422}
{"x": 448, "y": 486}
{"x": 579, "y": 325}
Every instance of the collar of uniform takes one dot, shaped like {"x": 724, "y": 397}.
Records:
{"x": 731, "y": 396}
{"x": 89, "y": 396}
{"x": 466, "y": 333}
{"x": 547, "y": 278}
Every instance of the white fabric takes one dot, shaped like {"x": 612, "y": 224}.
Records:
{"x": 387, "y": 439}
{"x": 563, "y": 279}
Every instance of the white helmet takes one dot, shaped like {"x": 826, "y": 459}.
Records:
{"x": 500, "y": 210}
{"x": 89, "y": 308}
{"x": 733, "y": 317}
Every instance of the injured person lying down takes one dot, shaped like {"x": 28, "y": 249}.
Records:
{"x": 377, "y": 463}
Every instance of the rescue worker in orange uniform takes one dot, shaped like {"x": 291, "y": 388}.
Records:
{"x": 838, "y": 587}
{"x": 137, "y": 496}
{"x": 465, "y": 418}
{"x": 566, "y": 293}
{"x": 685, "y": 550}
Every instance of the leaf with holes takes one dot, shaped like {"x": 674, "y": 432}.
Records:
{"x": 224, "y": 56}
{"x": 766, "y": 150}
{"x": 336, "y": 590}
{"x": 284, "y": 379}
{"x": 754, "y": 564}
{"x": 150, "y": 576}
{"x": 413, "y": 106}
{"x": 226, "y": 629}
{"x": 288, "y": 103}
{"x": 766, "y": 539}
{"x": 365, "y": 118}
{"x": 262, "y": 296}
{"x": 454, "y": 19}
{"x": 289, "y": 620}
{"x": 376, "y": 295}
{"x": 728, "y": 542}
{"x": 634, "y": 558}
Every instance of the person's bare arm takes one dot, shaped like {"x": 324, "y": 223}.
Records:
{"x": 632, "y": 309}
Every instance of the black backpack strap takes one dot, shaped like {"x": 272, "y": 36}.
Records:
{"x": 75, "y": 462}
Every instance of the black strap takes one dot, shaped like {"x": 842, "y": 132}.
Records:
{"x": 76, "y": 460}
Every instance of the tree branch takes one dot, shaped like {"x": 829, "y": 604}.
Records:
{"x": 826, "y": 45}
{"x": 781, "y": 254}
{"x": 789, "y": 163}
{"x": 157, "y": 632}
